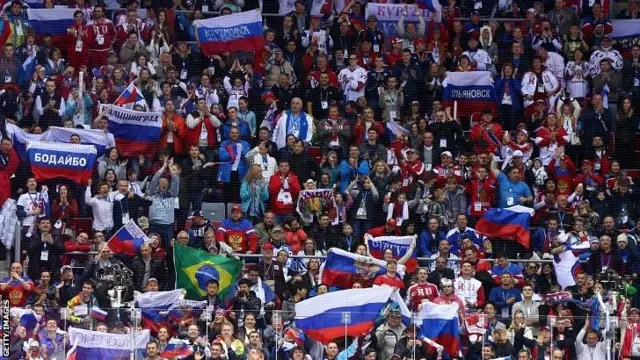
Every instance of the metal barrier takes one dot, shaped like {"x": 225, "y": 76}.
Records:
{"x": 252, "y": 256}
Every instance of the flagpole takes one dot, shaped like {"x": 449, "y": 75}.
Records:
{"x": 414, "y": 334}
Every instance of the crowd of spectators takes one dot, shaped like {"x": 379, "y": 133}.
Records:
{"x": 325, "y": 105}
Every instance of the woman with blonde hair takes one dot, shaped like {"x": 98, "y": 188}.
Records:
{"x": 254, "y": 192}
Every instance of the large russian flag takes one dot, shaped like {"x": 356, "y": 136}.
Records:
{"x": 511, "y": 223}
{"x": 128, "y": 239}
{"x": 440, "y": 324}
{"x": 89, "y": 344}
{"x": 21, "y": 138}
{"x": 95, "y": 137}
{"x": 55, "y": 160}
{"x": 53, "y": 22}
{"x": 154, "y": 304}
{"x": 399, "y": 245}
{"x": 626, "y": 33}
{"x": 235, "y": 32}
{"x": 323, "y": 317}
{"x": 473, "y": 90}
{"x": 135, "y": 132}
{"x": 342, "y": 268}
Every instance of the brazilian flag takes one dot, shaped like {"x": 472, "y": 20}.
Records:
{"x": 194, "y": 269}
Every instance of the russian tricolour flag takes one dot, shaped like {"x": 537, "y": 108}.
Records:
{"x": 58, "y": 160}
{"x": 131, "y": 94}
{"x": 342, "y": 269}
{"x": 399, "y": 245}
{"x": 135, "y": 132}
{"x": 511, "y": 223}
{"x": 98, "y": 314}
{"x": 431, "y": 5}
{"x": 235, "y": 32}
{"x": 472, "y": 90}
{"x": 51, "y": 21}
{"x": 176, "y": 349}
{"x": 440, "y": 324}
{"x": 323, "y": 317}
{"x": 154, "y": 304}
{"x": 128, "y": 239}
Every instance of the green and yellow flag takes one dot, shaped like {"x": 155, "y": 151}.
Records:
{"x": 194, "y": 269}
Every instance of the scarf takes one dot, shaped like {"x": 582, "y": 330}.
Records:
{"x": 303, "y": 124}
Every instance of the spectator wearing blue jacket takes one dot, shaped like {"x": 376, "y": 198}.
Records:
{"x": 502, "y": 266}
{"x": 509, "y": 97}
{"x": 504, "y": 297}
{"x": 233, "y": 165}
{"x": 352, "y": 167}
{"x": 430, "y": 238}
{"x": 461, "y": 230}
{"x": 235, "y": 121}
{"x": 542, "y": 236}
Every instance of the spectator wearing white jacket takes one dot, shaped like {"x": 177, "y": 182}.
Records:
{"x": 259, "y": 155}
{"x": 593, "y": 349}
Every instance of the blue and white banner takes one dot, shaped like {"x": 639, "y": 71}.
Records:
{"x": 99, "y": 345}
{"x": 389, "y": 14}
{"x": 55, "y": 160}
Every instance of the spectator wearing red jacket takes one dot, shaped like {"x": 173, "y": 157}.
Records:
{"x": 174, "y": 130}
{"x": 294, "y": 235}
{"x": 389, "y": 229}
{"x": 391, "y": 278}
{"x": 365, "y": 122}
{"x": 202, "y": 121}
{"x": 9, "y": 165}
{"x": 486, "y": 135}
{"x": 562, "y": 170}
{"x": 80, "y": 244}
{"x": 283, "y": 191}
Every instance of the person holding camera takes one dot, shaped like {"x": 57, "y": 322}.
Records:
{"x": 244, "y": 301}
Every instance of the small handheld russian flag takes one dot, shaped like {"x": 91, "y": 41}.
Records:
{"x": 177, "y": 350}
{"x": 98, "y": 314}
{"x": 130, "y": 95}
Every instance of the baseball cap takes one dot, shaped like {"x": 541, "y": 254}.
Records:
{"x": 236, "y": 208}
{"x": 152, "y": 279}
{"x": 633, "y": 310}
{"x": 267, "y": 246}
{"x": 65, "y": 267}
{"x": 277, "y": 228}
{"x": 594, "y": 239}
{"x": 277, "y": 49}
{"x": 447, "y": 153}
{"x": 198, "y": 213}
{"x": 524, "y": 131}
{"x": 532, "y": 10}
{"x": 517, "y": 153}
{"x": 397, "y": 39}
{"x": 412, "y": 150}
{"x": 415, "y": 102}
{"x": 372, "y": 17}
